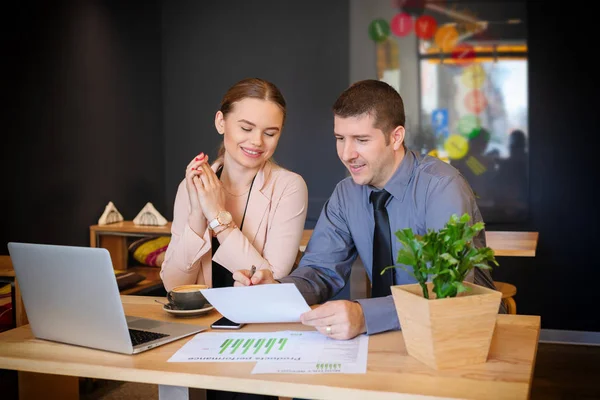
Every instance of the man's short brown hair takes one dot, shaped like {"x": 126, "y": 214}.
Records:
{"x": 375, "y": 98}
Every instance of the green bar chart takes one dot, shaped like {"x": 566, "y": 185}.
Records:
{"x": 254, "y": 346}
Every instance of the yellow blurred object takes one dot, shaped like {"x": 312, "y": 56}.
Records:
{"x": 488, "y": 49}
{"x": 457, "y": 146}
{"x": 446, "y": 38}
{"x": 150, "y": 251}
{"x": 473, "y": 76}
{"x": 435, "y": 153}
{"x": 5, "y": 290}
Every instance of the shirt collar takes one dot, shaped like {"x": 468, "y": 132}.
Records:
{"x": 399, "y": 181}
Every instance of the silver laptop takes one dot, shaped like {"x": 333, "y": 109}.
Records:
{"x": 71, "y": 296}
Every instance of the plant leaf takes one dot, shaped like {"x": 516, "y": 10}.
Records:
{"x": 445, "y": 256}
{"x": 406, "y": 258}
{"x": 448, "y": 257}
{"x": 460, "y": 287}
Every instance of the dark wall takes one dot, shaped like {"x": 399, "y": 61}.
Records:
{"x": 302, "y": 47}
{"x": 82, "y": 120}
{"x": 560, "y": 283}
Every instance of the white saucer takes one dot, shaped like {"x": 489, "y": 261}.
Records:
{"x": 188, "y": 313}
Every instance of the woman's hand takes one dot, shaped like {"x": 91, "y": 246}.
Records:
{"x": 193, "y": 171}
{"x": 211, "y": 195}
{"x": 244, "y": 277}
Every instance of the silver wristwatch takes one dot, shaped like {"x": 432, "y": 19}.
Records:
{"x": 223, "y": 218}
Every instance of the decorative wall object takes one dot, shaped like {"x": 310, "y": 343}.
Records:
{"x": 110, "y": 215}
{"x": 149, "y": 216}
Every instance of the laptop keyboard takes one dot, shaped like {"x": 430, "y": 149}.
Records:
{"x": 140, "y": 337}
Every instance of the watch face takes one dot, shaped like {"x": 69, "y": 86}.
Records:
{"x": 224, "y": 217}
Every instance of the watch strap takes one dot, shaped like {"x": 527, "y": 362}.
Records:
{"x": 214, "y": 223}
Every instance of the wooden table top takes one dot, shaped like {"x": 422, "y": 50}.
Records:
{"x": 513, "y": 244}
{"x": 391, "y": 373}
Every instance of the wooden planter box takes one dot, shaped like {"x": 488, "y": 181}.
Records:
{"x": 450, "y": 332}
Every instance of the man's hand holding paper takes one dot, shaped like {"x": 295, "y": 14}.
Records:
{"x": 340, "y": 319}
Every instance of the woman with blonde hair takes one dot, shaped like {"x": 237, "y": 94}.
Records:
{"x": 242, "y": 210}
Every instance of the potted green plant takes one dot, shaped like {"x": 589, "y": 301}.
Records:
{"x": 445, "y": 320}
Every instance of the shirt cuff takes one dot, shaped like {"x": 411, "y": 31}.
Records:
{"x": 380, "y": 314}
{"x": 194, "y": 247}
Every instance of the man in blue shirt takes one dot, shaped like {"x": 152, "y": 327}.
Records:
{"x": 425, "y": 191}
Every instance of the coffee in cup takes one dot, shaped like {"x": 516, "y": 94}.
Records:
{"x": 187, "y": 297}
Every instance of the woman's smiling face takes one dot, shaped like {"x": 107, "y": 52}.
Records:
{"x": 251, "y": 131}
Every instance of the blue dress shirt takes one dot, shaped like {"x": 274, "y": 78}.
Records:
{"x": 425, "y": 192}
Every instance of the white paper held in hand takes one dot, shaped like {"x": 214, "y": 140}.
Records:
{"x": 258, "y": 304}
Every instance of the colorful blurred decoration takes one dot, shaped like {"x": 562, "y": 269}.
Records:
{"x": 473, "y": 76}
{"x": 473, "y": 92}
{"x": 456, "y": 146}
{"x": 475, "y": 166}
{"x": 487, "y": 121}
{"x": 463, "y": 54}
{"x": 425, "y": 27}
{"x": 150, "y": 250}
{"x": 474, "y": 132}
{"x": 437, "y": 154}
{"x": 446, "y": 37}
{"x": 475, "y": 101}
{"x": 402, "y": 24}
{"x": 439, "y": 122}
{"x": 469, "y": 125}
{"x": 379, "y": 30}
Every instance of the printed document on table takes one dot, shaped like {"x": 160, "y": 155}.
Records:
{"x": 332, "y": 356}
{"x": 258, "y": 304}
{"x": 278, "y": 352}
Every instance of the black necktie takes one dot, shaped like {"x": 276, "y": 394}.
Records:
{"x": 382, "y": 246}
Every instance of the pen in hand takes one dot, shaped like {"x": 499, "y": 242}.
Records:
{"x": 252, "y": 271}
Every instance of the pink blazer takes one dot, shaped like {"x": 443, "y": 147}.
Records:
{"x": 270, "y": 238}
